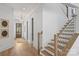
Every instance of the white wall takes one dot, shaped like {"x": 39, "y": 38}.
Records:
{"x": 14, "y": 16}
{"x": 74, "y": 51}
{"x": 37, "y": 15}
{"x": 6, "y": 12}
{"x": 54, "y": 17}
{"x": 17, "y": 19}
{"x": 77, "y": 21}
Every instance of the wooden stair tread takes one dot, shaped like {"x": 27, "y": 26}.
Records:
{"x": 69, "y": 25}
{"x": 46, "y": 53}
{"x": 50, "y": 49}
{"x": 52, "y": 44}
{"x": 72, "y": 30}
{"x": 63, "y": 37}
{"x": 66, "y": 34}
{"x": 60, "y": 47}
{"x": 69, "y": 30}
{"x": 62, "y": 42}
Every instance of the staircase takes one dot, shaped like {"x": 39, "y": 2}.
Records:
{"x": 62, "y": 41}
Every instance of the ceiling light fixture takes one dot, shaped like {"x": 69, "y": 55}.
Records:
{"x": 24, "y": 8}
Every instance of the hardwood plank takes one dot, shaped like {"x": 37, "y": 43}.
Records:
{"x": 21, "y": 48}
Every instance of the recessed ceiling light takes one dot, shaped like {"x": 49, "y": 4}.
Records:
{"x": 24, "y": 8}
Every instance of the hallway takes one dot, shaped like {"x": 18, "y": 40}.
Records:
{"x": 49, "y": 28}
{"x": 21, "y": 48}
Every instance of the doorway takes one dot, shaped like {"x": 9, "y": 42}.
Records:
{"x": 32, "y": 30}
{"x": 18, "y": 30}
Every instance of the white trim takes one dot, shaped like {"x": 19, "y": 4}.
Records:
{"x": 51, "y": 46}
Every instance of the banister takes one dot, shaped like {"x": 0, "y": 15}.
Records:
{"x": 38, "y": 44}
{"x": 55, "y": 40}
{"x": 56, "y": 37}
{"x": 66, "y": 25}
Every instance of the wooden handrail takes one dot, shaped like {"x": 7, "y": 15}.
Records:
{"x": 66, "y": 25}
{"x": 38, "y": 44}
{"x": 56, "y": 37}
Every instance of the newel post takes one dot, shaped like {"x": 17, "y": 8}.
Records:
{"x": 38, "y": 43}
{"x": 55, "y": 39}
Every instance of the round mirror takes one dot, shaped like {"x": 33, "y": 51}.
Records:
{"x": 4, "y": 33}
{"x": 4, "y": 23}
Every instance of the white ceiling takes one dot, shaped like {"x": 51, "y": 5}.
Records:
{"x": 23, "y": 8}
{"x": 23, "y": 5}
{"x": 27, "y": 7}
{"x": 33, "y": 5}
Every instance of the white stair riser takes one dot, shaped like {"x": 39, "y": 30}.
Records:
{"x": 64, "y": 40}
{"x": 51, "y": 46}
{"x": 66, "y": 35}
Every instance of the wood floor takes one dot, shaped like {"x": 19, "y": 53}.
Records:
{"x": 21, "y": 48}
